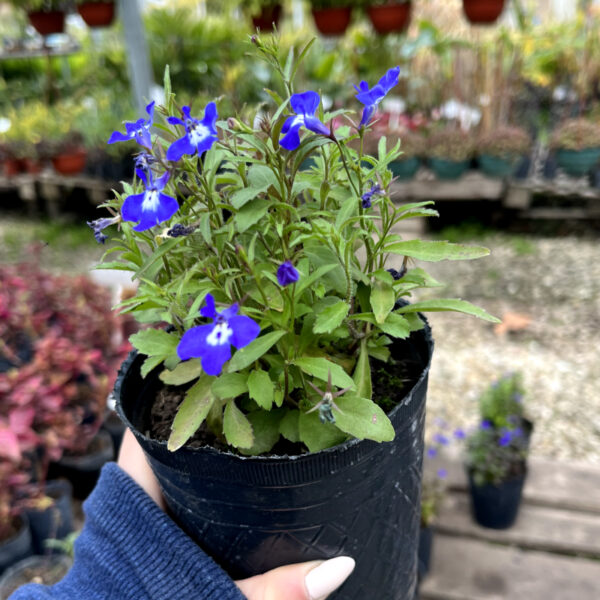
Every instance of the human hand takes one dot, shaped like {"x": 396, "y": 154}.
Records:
{"x": 313, "y": 580}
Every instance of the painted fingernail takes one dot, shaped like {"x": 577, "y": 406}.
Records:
{"x": 328, "y": 576}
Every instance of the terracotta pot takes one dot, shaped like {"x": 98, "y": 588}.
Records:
{"x": 31, "y": 165}
{"x": 393, "y": 17}
{"x": 49, "y": 22}
{"x": 483, "y": 11}
{"x": 332, "y": 21}
{"x": 12, "y": 167}
{"x": 69, "y": 163}
{"x": 97, "y": 14}
{"x": 270, "y": 15}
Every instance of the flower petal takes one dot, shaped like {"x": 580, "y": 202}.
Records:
{"x": 305, "y": 103}
{"x": 167, "y": 207}
{"x": 206, "y": 143}
{"x": 210, "y": 116}
{"x": 142, "y": 175}
{"x": 132, "y": 207}
{"x": 214, "y": 359}
{"x": 150, "y": 111}
{"x": 208, "y": 310}
{"x": 313, "y": 124}
{"x": 193, "y": 343}
{"x": 161, "y": 182}
{"x": 390, "y": 79}
{"x": 245, "y": 330}
{"x": 230, "y": 312}
{"x": 291, "y": 140}
{"x": 143, "y": 138}
{"x": 180, "y": 147}
{"x": 175, "y": 121}
{"x": 117, "y": 136}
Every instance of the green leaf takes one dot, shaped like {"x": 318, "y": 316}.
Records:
{"x": 362, "y": 372}
{"x": 150, "y": 364}
{"x": 183, "y": 373}
{"x": 317, "y": 435}
{"x": 261, "y": 176}
{"x": 448, "y": 304}
{"x": 306, "y": 282}
{"x": 251, "y": 214}
{"x": 320, "y": 367}
{"x": 153, "y": 259}
{"x": 265, "y": 426}
{"x": 154, "y": 342}
{"x": 396, "y": 326}
{"x": 433, "y": 251}
{"x": 383, "y": 299}
{"x": 192, "y": 411}
{"x": 261, "y": 388}
{"x": 253, "y": 351}
{"x": 331, "y": 317}
{"x": 230, "y": 385}
{"x": 236, "y": 427}
{"x": 288, "y": 426}
{"x": 363, "y": 419}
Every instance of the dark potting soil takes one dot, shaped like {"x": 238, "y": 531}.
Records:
{"x": 46, "y": 572}
{"x": 391, "y": 382}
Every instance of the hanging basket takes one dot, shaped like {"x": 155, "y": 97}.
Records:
{"x": 268, "y": 18}
{"x": 47, "y": 22}
{"x": 390, "y": 18}
{"x": 97, "y": 14}
{"x": 483, "y": 12}
{"x": 332, "y": 21}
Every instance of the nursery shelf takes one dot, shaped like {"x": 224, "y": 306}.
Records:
{"x": 63, "y": 50}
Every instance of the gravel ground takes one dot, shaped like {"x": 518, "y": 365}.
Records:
{"x": 555, "y": 282}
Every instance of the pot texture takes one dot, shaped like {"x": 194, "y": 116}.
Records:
{"x": 332, "y": 21}
{"x": 448, "y": 169}
{"x": 69, "y": 164}
{"x": 269, "y": 16}
{"x": 390, "y": 18}
{"x": 406, "y": 168}
{"x": 425, "y": 545}
{"x": 496, "y": 166}
{"x": 483, "y": 12}
{"x": 17, "y": 547}
{"x": 496, "y": 507}
{"x": 47, "y": 22}
{"x": 254, "y": 514}
{"x": 97, "y": 14}
{"x": 577, "y": 163}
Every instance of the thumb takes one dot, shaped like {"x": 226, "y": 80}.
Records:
{"x": 305, "y": 581}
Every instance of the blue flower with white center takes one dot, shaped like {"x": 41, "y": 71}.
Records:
{"x": 138, "y": 130}
{"x": 287, "y": 274}
{"x": 305, "y": 106}
{"x": 372, "y": 97}
{"x": 99, "y": 224}
{"x": 212, "y": 343}
{"x": 199, "y": 136}
{"x": 152, "y": 206}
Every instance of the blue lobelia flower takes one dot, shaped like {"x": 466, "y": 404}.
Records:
{"x": 138, "y": 130}
{"x": 151, "y": 207}
{"x": 505, "y": 438}
{"x": 212, "y": 343}
{"x": 199, "y": 136}
{"x": 485, "y": 425}
{"x": 367, "y": 197}
{"x": 372, "y": 97}
{"x": 287, "y": 273}
{"x": 304, "y": 105}
{"x": 459, "y": 434}
{"x": 441, "y": 439}
{"x": 99, "y": 224}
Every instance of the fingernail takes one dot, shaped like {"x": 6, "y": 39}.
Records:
{"x": 328, "y": 576}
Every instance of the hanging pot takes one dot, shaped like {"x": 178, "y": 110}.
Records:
{"x": 482, "y": 12}
{"x": 47, "y": 22}
{"x": 390, "y": 18}
{"x": 54, "y": 522}
{"x": 332, "y": 21}
{"x": 496, "y": 506}
{"x": 268, "y": 16}
{"x": 448, "y": 169}
{"x": 46, "y": 570}
{"x": 69, "y": 163}
{"x": 83, "y": 470}
{"x": 17, "y": 546}
{"x": 577, "y": 163}
{"x": 97, "y": 14}
{"x": 252, "y": 514}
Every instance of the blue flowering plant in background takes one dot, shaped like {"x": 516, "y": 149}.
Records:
{"x": 267, "y": 282}
{"x": 496, "y": 451}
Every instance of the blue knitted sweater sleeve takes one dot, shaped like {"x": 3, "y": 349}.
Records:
{"x": 129, "y": 549}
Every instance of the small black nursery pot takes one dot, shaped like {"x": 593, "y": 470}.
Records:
{"x": 425, "y": 546}
{"x": 360, "y": 498}
{"x": 496, "y": 507}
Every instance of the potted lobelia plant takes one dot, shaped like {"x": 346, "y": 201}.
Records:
{"x": 100, "y": 13}
{"x": 389, "y": 16}
{"x": 233, "y": 244}
{"x": 577, "y": 146}
{"x": 500, "y": 150}
{"x": 449, "y": 152}
{"x": 497, "y": 452}
{"x": 332, "y": 17}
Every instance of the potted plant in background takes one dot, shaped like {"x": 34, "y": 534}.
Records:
{"x": 500, "y": 150}
{"x": 330, "y": 357}
{"x": 483, "y": 12}
{"x": 449, "y": 152}
{"x": 496, "y": 454}
{"x": 46, "y": 16}
{"x": 389, "y": 16}
{"x": 332, "y": 17}
{"x": 100, "y": 13}
{"x": 577, "y": 146}
{"x": 412, "y": 146}
{"x": 265, "y": 14}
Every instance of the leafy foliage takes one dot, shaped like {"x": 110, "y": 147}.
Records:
{"x": 577, "y": 134}
{"x": 505, "y": 142}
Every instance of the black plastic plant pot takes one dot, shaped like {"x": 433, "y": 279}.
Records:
{"x": 115, "y": 428}
{"x": 56, "y": 521}
{"x": 83, "y": 470}
{"x": 424, "y": 554}
{"x": 360, "y": 498}
{"x": 496, "y": 506}
{"x": 43, "y": 569}
{"x": 18, "y": 546}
